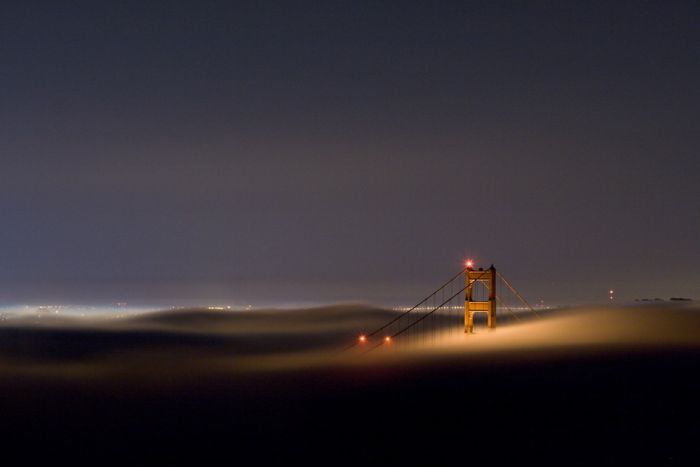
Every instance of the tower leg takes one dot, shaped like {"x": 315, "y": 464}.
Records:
{"x": 469, "y": 322}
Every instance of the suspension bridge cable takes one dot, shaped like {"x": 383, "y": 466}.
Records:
{"x": 505, "y": 281}
{"x": 407, "y": 328}
{"x": 508, "y": 308}
{"x": 409, "y": 311}
{"x": 419, "y": 303}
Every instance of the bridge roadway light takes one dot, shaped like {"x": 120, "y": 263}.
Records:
{"x": 362, "y": 339}
{"x": 387, "y": 340}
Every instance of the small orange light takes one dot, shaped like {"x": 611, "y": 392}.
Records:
{"x": 387, "y": 339}
{"x": 363, "y": 338}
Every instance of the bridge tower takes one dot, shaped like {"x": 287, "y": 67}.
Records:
{"x": 471, "y": 306}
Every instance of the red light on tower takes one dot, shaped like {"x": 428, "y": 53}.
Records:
{"x": 469, "y": 263}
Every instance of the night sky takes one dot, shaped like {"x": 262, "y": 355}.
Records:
{"x": 335, "y": 151}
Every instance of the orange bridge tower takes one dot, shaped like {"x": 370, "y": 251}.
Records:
{"x": 474, "y": 303}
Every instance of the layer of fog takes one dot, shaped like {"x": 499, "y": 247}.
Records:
{"x": 185, "y": 343}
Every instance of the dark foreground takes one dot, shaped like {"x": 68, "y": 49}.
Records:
{"x": 584, "y": 411}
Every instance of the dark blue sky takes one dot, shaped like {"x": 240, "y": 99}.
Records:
{"x": 347, "y": 150}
